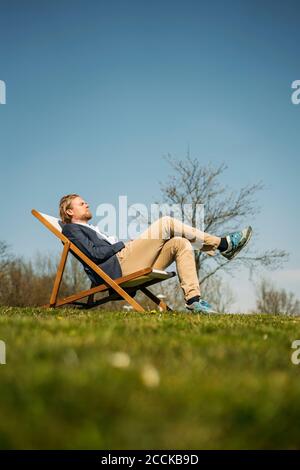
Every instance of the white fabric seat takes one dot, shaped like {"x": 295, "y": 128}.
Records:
{"x": 53, "y": 221}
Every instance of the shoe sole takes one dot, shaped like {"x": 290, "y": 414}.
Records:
{"x": 243, "y": 245}
{"x": 204, "y": 313}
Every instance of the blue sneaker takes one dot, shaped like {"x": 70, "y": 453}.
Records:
{"x": 200, "y": 306}
{"x": 237, "y": 241}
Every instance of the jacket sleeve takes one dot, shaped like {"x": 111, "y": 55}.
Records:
{"x": 99, "y": 252}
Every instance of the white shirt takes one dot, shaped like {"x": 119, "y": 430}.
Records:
{"x": 111, "y": 239}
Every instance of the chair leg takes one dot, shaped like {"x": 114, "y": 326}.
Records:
{"x": 106, "y": 299}
{"x": 59, "y": 275}
{"x": 90, "y": 299}
{"x": 161, "y": 304}
{"x": 75, "y": 297}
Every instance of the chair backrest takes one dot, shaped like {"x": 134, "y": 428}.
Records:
{"x": 53, "y": 221}
{"x": 55, "y": 226}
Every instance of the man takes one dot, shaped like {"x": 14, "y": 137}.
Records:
{"x": 165, "y": 241}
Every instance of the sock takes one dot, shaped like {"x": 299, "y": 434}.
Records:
{"x": 223, "y": 244}
{"x": 196, "y": 298}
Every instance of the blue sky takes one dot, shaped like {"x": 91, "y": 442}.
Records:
{"x": 98, "y": 92}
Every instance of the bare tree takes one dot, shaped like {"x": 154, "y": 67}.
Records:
{"x": 5, "y": 255}
{"x": 74, "y": 275}
{"x": 5, "y": 258}
{"x": 26, "y": 283}
{"x": 275, "y": 301}
{"x": 225, "y": 210}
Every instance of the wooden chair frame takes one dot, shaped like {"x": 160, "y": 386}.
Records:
{"x": 113, "y": 286}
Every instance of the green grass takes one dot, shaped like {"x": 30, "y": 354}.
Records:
{"x": 193, "y": 382}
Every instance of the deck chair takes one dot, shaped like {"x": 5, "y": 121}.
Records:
{"x": 117, "y": 289}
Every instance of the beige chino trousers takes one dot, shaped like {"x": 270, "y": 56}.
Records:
{"x": 165, "y": 241}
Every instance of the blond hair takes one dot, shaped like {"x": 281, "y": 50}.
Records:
{"x": 65, "y": 204}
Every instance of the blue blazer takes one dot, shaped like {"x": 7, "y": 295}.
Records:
{"x": 100, "y": 251}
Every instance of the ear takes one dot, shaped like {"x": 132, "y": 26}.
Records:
{"x": 69, "y": 212}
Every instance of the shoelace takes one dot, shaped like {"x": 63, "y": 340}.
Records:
{"x": 235, "y": 238}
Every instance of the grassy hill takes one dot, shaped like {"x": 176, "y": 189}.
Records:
{"x": 155, "y": 380}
